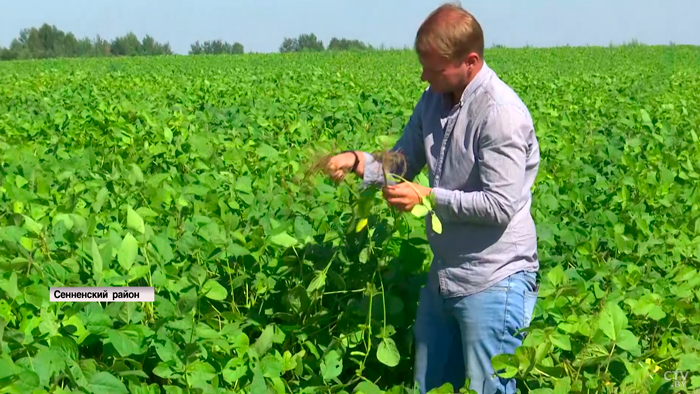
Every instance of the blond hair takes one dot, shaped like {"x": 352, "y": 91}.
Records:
{"x": 451, "y": 32}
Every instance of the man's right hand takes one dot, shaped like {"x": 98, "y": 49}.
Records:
{"x": 339, "y": 165}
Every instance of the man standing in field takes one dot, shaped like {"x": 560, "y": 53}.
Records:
{"x": 477, "y": 138}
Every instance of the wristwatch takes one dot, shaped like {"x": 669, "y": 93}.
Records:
{"x": 357, "y": 159}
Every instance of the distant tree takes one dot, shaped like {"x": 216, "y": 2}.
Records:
{"x": 303, "y": 43}
{"x": 289, "y": 45}
{"x": 50, "y": 42}
{"x": 129, "y": 45}
{"x": 216, "y": 47}
{"x": 149, "y": 46}
{"x": 102, "y": 47}
{"x": 344, "y": 44}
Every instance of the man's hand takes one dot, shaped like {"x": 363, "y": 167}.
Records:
{"x": 403, "y": 196}
{"x": 338, "y": 165}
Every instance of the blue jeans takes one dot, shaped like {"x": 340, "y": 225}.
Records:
{"x": 457, "y": 337}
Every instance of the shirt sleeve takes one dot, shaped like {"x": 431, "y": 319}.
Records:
{"x": 411, "y": 144}
{"x": 501, "y": 160}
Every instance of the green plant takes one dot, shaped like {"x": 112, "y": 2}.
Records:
{"x": 186, "y": 174}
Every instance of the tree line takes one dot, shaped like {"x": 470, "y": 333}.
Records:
{"x": 310, "y": 43}
{"x": 48, "y": 41}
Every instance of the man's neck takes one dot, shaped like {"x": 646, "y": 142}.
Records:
{"x": 457, "y": 94}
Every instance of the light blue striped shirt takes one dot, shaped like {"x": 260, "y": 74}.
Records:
{"x": 483, "y": 157}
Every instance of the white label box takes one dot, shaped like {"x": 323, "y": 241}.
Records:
{"x": 102, "y": 294}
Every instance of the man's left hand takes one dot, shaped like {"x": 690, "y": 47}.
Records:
{"x": 403, "y": 197}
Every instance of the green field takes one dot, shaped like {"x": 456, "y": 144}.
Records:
{"x": 192, "y": 175}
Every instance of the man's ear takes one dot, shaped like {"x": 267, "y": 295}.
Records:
{"x": 472, "y": 59}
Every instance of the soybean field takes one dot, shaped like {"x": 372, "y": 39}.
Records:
{"x": 195, "y": 175}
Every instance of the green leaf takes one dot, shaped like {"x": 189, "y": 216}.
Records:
{"x": 128, "y": 251}
{"x": 556, "y": 275}
{"x": 264, "y": 342}
{"x": 200, "y": 373}
{"x": 100, "y": 199}
{"x": 419, "y": 210}
{"x": 126, "y": 341}
{"x": 365, "y": 203}
{"x": 367, "y": 387}
{"x": 361, "y": 224}
{"x": 134, "y": 221}
{"x": 32, "y": 225}
{"x": 628, "y": 341}
{"x": 106, "y": 383}
{"x": 65, "y": 346}
{"x": 445, "y": 388}
{"x": 168, "y": 134}
{"x": 259, "y": 386}
{"x": 187, "y": 302}
{"x": 266, "y": 151}
{"x": 506, "y": 365}
{"x": 388, "y": 353}
{"x": 232, "y": 373}
{"x": 9, "y": 286}
{"x": 96, "y": 259}
{"x": 612, "y": 321}
{"x": 318, "y": 282}
{"x": 563, "y": 386}
{"x": 689, "y": 362}
{"x": 271, "y": 366}
{"x": 136, "y": 174}
{"x": 296, "y": 299}
{"x": 237, "y": 250}
{"x": 331, "y": 366}
{"x": 27, "y": 381}
{"x": 213, "y": 290}
{"x": 436, "y": 224}
{"x": 561, "y": 340}
{"x": 284, "y": 239}
{"x": 244, "y": 184}
{"x": 198, "y": 274}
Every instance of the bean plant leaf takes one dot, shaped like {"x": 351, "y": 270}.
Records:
{"x": 331, "y": 366}
{"x": 436, "y": 223}
{"x": 213, "y": 290}
{"x": 612, "y": 321}
{"x": 168, "y": 134}
{"x": 388, "y": 353}
{"x": 97, "y": 263}
{"x": 628, "y": 341}
{"x": 361, "y": 224}
{"x": 419, "y": 210}
{"x": 106, "y": 383}
{"x": 128, "y": 251}
{"x": 134, "y": 221}
{"x": 506, "y": 365}
{"x": 284, "y": 239}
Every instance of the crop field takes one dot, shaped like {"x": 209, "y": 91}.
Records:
{"x": 195, "y": 176}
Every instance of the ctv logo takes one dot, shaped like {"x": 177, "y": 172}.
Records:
{"x": 679, "y": 378}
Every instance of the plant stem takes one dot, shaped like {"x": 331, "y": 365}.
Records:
{"x": 381, "y": 283}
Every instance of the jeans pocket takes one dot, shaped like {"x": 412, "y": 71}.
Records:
{"x": 529, "y": 301}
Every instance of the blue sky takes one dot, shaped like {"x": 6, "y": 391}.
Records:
{"x": 261, "y": 25}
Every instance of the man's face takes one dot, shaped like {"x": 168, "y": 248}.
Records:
{"x": 443, "y": 75}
